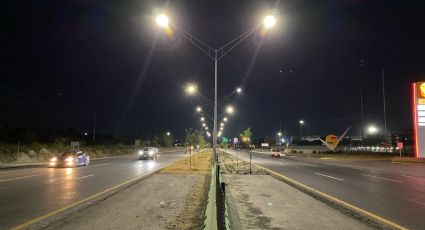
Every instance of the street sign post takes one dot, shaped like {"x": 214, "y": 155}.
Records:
{"x": 75, "y": 144}
{"x": 400, "y": 146}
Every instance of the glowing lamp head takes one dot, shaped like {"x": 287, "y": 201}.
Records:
{"x": 301, "y": 122}
{"x": 372, "y": 129}
{"x": 239, "y": 90}
{"x": 269, "y": 21}
{"x": 230, "y": 109}
{"x": 198, "y": 109}
{"x": 191, "y": 89}
{"x": 162, "y": 20}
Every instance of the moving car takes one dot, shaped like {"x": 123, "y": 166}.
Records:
{"x": 70, "y": 159}
{"x": 275, "y": 153}
{"x": 148, "y": 153}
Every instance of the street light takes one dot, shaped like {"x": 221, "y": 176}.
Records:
{"x": 225, "y": 119}
{"x": 162, "y": 20}
{"x": 239, "y": 90}
{"x": 215, "y": 55}
{"x": 221, "y": 124}
{"x": 202, "y": 119}
{"x": 269, "y": 21}
{"x": 372, "y": 129}
{"x": 230, "y": 109}
{"x": 301, "y": 128}
{"x": 198, "y": 109}
{"x": 191, "y": 89}
{"x": 168, "y": 133}
{"x": 279, "y": 134}
{"x": 203, "y": 124}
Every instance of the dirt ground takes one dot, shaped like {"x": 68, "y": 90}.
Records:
{"x": 232, "y": 165}
{"x": 192, "y": 215}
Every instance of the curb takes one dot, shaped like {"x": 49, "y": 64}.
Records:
{"x": 346, "y": 208}
{"x": 45, "y": 220}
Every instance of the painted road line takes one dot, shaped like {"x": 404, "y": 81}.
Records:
{"x": 334, "y": 199}
{"x": 17, "y": 178}
{"x": 79, "y": 178}
{"x": 75, "y": 204}
{"x": 335, "y": 178}
{"x": 382, "y": 178}
{"x": 101, "y": 164}
{"x": 416, "y": 177}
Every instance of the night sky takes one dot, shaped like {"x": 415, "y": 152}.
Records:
{"x": 63, "y": 60}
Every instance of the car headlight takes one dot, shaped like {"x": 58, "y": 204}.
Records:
{"x": 54, "y": 159}
{"x": 150, "y": 152}
{"x": 140, "y": 152}
{"x": 69, "y": 159}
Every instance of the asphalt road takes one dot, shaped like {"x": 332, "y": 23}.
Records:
{"x": 31, "y": 192}
{"x": 397, "y": 197}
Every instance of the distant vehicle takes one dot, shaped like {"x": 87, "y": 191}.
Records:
{"x": 148, "y": 153}
{"x": 275, "y": 153}
{"x": 70, "y": 159}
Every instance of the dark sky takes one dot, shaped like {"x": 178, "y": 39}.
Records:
{"x": 62, "y": 59}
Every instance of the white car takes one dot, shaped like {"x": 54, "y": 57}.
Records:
{"x": 148, "y": 153}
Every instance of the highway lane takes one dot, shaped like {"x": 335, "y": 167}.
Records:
{"x": 29, "y": 193}
{"x": 395, "y": 197}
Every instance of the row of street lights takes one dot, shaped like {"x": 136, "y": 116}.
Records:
{"x": 214, "y": 54}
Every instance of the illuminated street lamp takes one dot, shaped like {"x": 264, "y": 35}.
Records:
{"x": 221, "y": 128}
{"x": 225, "y": 119}
{"x": 215, "y": 55}
{"x": 191, "y": 89}
{"x": 221, "y": 124}
{"x": 269, "y": 21}
{"x": 301, "y": 127}
{"x": 206, "y": 127}
{"x": 372, "y": 129}
{"x": 239, "y": 90}
{"x": 230, "y": 109}
{"x": 202, "y": 119}
{"x": 279, "y": 134}
{"x": 203, "y": 124}
{"x": 168, "y": 133}
{"x": 198, "y": 109}
{"x": 162, "y": 20}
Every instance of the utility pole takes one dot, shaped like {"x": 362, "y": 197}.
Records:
{"x": 94, "y": 127}
{"x": 384, "y": 105}
{"x": 362, "y": 114}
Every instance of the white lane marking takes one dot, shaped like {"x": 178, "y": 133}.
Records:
{"x": 335, "y": 178}
{"x": 382, "y": 178}
{"x": 101, "y": 164}
{"x": 419, "y": 178}
{"x": 17, "y": 178}
{"x": 79, "y": 178}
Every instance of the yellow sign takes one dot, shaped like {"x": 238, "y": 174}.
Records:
{"x": 421, "y": 89}
{"x": 332, "y": 139}
{"x": 421, "y": 101}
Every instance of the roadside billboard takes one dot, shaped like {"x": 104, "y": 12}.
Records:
{"x": 418, "y": 97}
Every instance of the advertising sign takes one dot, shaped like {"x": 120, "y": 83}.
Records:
{"x": 418, "y": 91}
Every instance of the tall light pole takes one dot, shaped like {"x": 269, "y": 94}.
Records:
{"x": 301, "y": 128}
{"x": 215, "y": 54}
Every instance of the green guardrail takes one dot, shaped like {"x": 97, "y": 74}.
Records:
{"x": 226, "y": 212}
{"x": 215, "y": 193}
{"x": 210, "y": 222}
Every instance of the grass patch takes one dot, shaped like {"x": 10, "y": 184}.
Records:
{"x": 199, "y": 163}
{"x": 408, "y": 160}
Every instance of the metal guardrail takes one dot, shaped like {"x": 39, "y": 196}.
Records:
{"x": 216, "y": 213}
{"x": 210, "y": 222}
